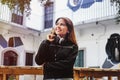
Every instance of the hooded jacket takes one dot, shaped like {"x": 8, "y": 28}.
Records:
{"x": 58, "y": 59}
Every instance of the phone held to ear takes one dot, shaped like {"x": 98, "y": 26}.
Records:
{"x": 53, "y": 31}
{"x": 52, "y": 37}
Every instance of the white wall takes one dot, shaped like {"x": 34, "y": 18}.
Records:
{"x": 36, "y": 19}
{"x": 93, "y": 39}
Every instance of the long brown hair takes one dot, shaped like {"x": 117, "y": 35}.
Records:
{"x": 70, "y": 26}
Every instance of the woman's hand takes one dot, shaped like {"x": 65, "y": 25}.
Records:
{"x": 50, "y": 37}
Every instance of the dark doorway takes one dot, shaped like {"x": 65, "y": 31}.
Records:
{"x": 10, "y": 59}
{"x": 29, "y": 59}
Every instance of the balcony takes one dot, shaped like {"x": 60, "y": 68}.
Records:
{"x": 99, "y": 11}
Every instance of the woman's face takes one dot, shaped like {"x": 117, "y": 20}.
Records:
{"x": 61, "y": 28}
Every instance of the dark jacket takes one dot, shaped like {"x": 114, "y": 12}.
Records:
{"x": 58, "y": 59}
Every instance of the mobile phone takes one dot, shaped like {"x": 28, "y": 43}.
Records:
{"x": 53, "y": 31}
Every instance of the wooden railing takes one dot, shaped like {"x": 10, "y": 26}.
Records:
{"x": 79, "y": 73}
{"x": 90, "y": 73}
{"x": 16, "y": 71}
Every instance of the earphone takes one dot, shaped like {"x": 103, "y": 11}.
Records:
{"x": 61, "y": 40}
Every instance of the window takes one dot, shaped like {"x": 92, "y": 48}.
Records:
{"x": 48, "y": 23}
{"x": 17, "y": 17}
{"x": 10, "y": 58}
{"x": 29, "y": 59}
{"x": 80, "y": 59}
{"x": 3, "y": 42}
{"x": 15, "y": 41}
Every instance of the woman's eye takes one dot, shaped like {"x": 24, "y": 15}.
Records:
{"x": 56, "y": 24}
{"x": 61, "y": 24}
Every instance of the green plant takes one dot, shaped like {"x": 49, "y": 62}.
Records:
{"x": 21, "y": 5}
{"x": 11, "y": 77}
{"x": 117, "y": 3}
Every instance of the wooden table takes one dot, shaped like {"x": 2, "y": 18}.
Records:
{"x": 19, "y": 70}
{"x": 80, "y": 73}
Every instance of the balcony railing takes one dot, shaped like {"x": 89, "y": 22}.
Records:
{"x": 98, "y": 11}
{"x": 10, "y": 17}
{"x": 5, "y": 13}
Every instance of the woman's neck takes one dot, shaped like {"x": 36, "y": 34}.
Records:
{"x": 61, "y": 36}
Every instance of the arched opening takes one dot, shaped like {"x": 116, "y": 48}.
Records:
{"x": 10, "y": 58}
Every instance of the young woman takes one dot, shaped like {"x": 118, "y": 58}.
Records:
{"x": 58, "y": 52}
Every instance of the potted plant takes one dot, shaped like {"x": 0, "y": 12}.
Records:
{"x": 22, "y": 5}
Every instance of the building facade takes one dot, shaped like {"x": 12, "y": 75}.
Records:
{"x": 94, "y": 24}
